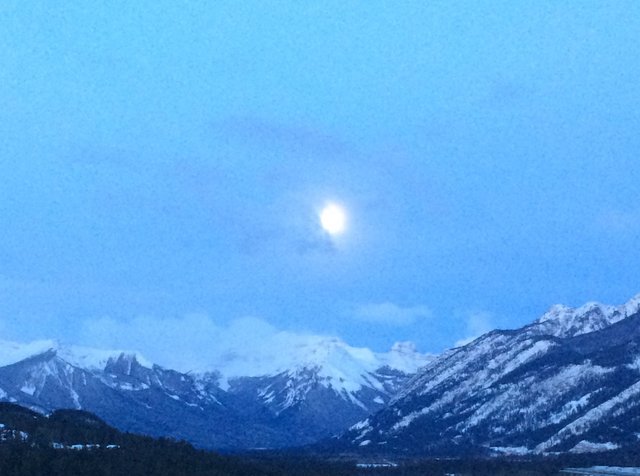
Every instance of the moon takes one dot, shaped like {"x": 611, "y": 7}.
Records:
{"x": 333, "y": 219}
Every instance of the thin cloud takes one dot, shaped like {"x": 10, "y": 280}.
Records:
{"x": 391, "y": 314}
{"x": 263, "y": 132}
{"x": 478, "y": 323}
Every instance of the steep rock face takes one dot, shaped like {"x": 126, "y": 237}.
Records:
{"x": 568, "y": 382}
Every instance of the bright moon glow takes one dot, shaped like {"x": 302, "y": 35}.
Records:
{"x": 333, "y": 219}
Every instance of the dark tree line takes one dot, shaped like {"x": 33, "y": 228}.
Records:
{"x": 135, "y": 455}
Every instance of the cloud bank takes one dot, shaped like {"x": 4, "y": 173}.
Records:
{"x": 194, "y": 342}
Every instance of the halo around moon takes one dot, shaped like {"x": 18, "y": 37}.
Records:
{"x": 333, "y": 219}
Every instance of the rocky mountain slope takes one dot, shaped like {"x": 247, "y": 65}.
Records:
{"x": 569, "y": 382}
{"x": 325, "y": 387}
{"x": 322, "y": 385}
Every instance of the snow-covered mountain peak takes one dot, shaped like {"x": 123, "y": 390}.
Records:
{"x": 523, "y": 390}
{"x": 565, "y": 321}
{"x": 330, "y": 356}
{"x": 284, "y": 387}
{"x": 557, "y": 312}
{"x": 596, "y": 307}
{"x": 303, "y": 361}
{"x": 77, "y": 356}
{"x": 323, "y": 351}
{"x": 631, "y": 307}
{"x": 97, "y": 359}
{"x": 286, "y": 354}
{"x": 12, "y": 352}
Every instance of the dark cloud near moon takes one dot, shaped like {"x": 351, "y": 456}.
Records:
{"x": 289, "y": 137}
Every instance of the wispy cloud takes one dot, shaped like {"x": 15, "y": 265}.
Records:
{"x": 391, "y": 314}
{"x": 263, "y": 132}
{"x": 478, "y": 323}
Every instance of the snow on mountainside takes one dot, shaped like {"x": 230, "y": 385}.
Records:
{"x": 569, "y": 378}
{"x": 336, "y": 363}
{"x": 321, "y": 384}
{"x": 82, "y": 357}
{"x": 263, "y": 398}
{"x": 96, "y": 359}
{"x": 564, "y": 321}
{"x": 126, "y": 391}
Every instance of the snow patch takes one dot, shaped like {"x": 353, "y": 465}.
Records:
{"x": 607, "y": 470}
{"x": 131, "y": 387}
{"x": 75, "y": 397}
{"x": 511, "y": 450}
{"x": 570, "y": 408}
{"x": 582, "y": 424}
{"x": 28, "y": 388}
{"x": 377, "y": 465}
{"x": 590, "y": 447}
{"x": 408, "y": 419}
{"x": 635, "y": 365}
{"x": 360, "y": 425}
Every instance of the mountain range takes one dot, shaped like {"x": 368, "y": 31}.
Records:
{"x": 567, "y": 383}
{"x": 321, "y": 389}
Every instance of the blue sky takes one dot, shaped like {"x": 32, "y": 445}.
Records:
{"x": 165, "y": 160}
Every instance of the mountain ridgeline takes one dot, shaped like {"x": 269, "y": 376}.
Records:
{"x": 318, "y": 397}
{"x": 569, "y": 383}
